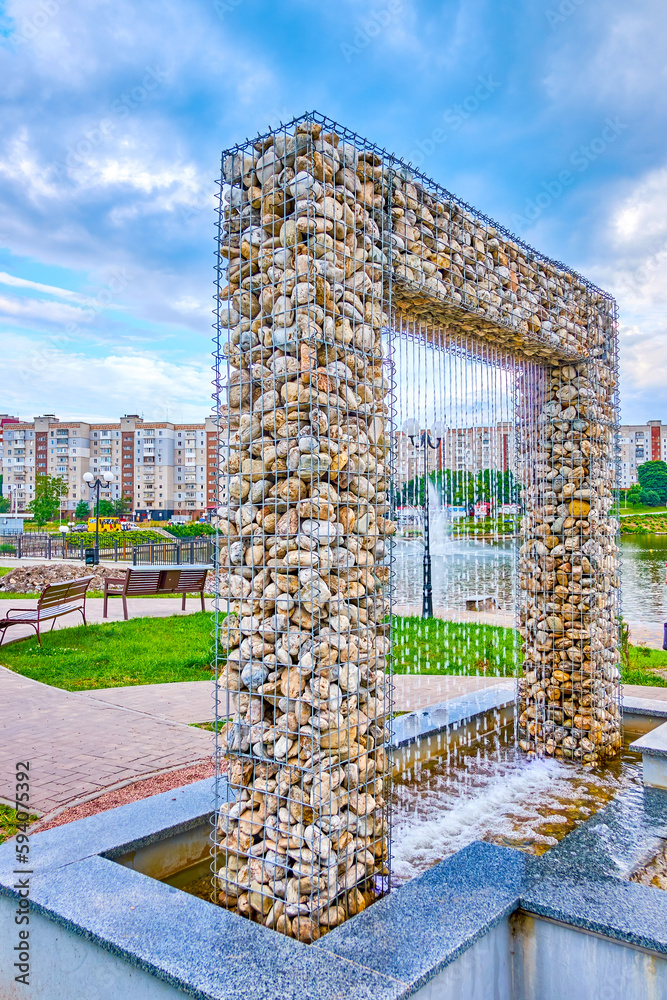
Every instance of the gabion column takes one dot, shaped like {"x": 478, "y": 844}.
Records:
{"x": 324, "y": 241}
{"x": 305, "y": 843}
{"x": 570, "y": 692}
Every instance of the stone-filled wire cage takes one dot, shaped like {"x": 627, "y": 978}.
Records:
{"x": 331, "y": 255}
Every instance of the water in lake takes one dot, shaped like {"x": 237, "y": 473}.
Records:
{"x": 464, "y": 568}
{"x": 643, "y": 590}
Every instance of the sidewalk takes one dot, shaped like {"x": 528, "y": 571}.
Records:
{"x": 80, "y": 745}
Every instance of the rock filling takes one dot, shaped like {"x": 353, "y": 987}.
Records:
{"x": 325, "y": 242}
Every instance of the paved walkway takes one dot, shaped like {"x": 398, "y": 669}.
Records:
{"x": 185, "y": 701}
{"x": 77, "y": 746}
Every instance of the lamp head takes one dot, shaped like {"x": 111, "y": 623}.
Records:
{"x": 108, "y": 477}
{"x": 88, "y": 477}
{"x": 411, "y": 427}
{"x": 438, "y": 430}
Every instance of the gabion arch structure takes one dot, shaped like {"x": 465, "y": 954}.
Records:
{"x": 325, "y": 243}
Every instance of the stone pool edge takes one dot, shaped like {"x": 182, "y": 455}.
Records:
{"x": 392, "y": 950}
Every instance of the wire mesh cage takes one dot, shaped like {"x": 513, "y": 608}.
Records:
{"x": 332, "y": 257}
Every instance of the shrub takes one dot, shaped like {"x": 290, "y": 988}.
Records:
{"x": 7, "y": 549}
{"x": 193, "y": 530}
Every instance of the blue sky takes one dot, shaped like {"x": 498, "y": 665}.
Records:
{"x": 113, "y": 117}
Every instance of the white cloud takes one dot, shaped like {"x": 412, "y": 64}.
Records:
{"x": 79, "y": 386}
{"x": 42, "y": 310}
{"x": 66, "y": 293}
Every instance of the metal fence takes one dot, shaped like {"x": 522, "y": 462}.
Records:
{"x": 43, "y": 546}
{"x": 192, "y": 550}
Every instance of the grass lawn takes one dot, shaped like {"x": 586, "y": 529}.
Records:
{"x": 643, "y": 663}
{"x": 486, "y": 526}
{"x": 164, "y": 650}
{"x": 433, "y": 646}
{"x": 117, "y": 654}
{"x": 9, "y": 823}
{"x": 644, "y": 524}
{"x": 629, "y": 511}
{"x": 10, "y": 595}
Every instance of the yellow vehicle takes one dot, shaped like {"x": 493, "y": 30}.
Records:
{"x": 106, "y": 524}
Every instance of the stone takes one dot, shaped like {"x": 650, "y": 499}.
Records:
{"x": 313, "y": 232}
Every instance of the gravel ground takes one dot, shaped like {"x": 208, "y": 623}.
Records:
{"x": 129, "y": 793}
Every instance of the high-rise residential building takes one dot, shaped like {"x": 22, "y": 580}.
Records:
{"x": 464, "y": 449}
{"x": 640, "y": 443}
{"x": 161, "y": 467}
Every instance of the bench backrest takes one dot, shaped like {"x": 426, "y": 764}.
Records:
{"x": 160, "y": 581}
{"x": 56, "y": 594}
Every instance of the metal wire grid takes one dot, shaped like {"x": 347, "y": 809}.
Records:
{"x": 374, "y": 242}
{"x": 305, "y": 740}
{"x": 570, "y": 691}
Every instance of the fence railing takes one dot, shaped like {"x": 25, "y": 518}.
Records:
{"x": 178, "y": 552}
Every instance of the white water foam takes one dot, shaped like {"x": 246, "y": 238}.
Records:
{"x": 436, "y": 814}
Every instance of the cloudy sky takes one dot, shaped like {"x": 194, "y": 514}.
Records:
{"x": 548, "y": 115}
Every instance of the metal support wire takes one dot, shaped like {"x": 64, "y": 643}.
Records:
{"x": 332, "y": 255}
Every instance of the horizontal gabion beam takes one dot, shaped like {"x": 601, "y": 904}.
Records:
{"x": 325, "y": 241}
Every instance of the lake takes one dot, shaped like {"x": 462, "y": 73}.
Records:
{"x": 463, "y": 568}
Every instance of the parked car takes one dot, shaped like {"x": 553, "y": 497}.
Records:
{"x": 79, "y": 527}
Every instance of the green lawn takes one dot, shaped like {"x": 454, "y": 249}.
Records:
{"x": 643, "y": 661}
{"x": 139, "y": 651}
{"x": 163, "y": 650}
{"x": 641, "y": 509}
{"x": 9, "y": 823}
{"x": 433, "y": 646}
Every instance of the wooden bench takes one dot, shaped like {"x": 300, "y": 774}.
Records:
{"x": 56, "y": 600}
{"x": 153, "y": 581}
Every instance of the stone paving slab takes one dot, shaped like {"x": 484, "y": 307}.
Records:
{"x": 79, "y": 746}
{"x": 181, "y": 701}
{"x": 192, "y": 701}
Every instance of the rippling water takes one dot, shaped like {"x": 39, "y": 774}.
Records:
{"x": 463, "y": 568}
{"x": 643, "y": 589}
{"x": 489, "y": 790}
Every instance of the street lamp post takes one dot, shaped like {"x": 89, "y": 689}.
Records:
{"x": 425, "y": 439}
{"x": 96, "y": 484}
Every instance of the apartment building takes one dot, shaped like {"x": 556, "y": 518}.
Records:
{"x": 640, "y": 443}
{"x": 161, "y": 467}
{"x": 467, "y": 449}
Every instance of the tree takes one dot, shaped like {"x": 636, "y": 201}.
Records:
{"x": 5, "y": 505}
{"x": 122, "y": 506}
{"x": 634, "y": 495}
{"x": 82, "y": 512}
{"x": 107, "y": 509}
{"x": 653, "y": 477}
{"x": 49, "y": 491}
{"x": 650, "y": 498}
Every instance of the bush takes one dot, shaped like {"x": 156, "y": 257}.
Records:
{"x": 130, "y": 538}
{"x": 193, "y": 530}
{"x": 8, "y": 549}
{"x": 650, "y": 498}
